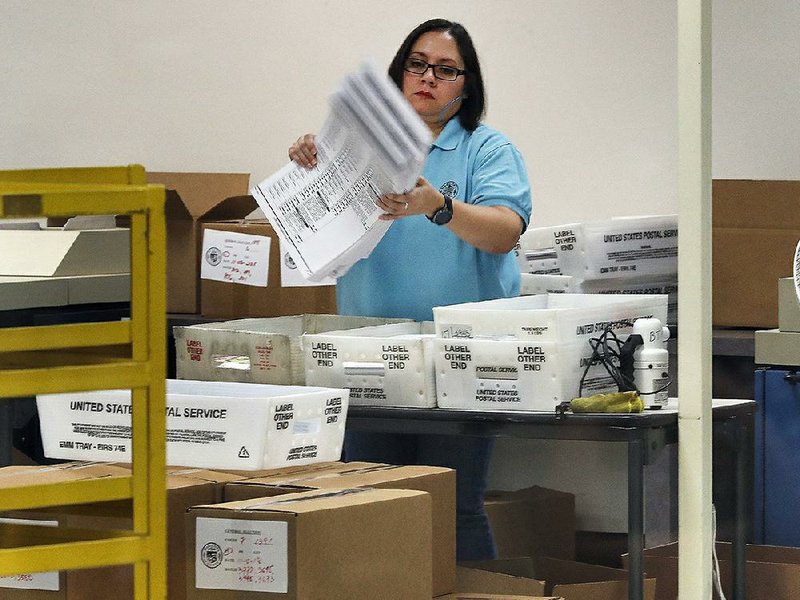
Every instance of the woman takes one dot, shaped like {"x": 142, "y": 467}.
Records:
{"x": 450, "y": 242}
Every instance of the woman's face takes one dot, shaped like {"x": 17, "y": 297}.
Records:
{"x": 435, "y": 100}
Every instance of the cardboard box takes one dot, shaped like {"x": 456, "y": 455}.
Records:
{"x": 57, "y": 252}
{"x": 580, "y": 581}
{"x": 258, "y": 297}
{"x": 192, "y": 198}
{"x": 359, "y": 544}
{"x": 383, "y": 365}
{"x": 439, "y": 482}
{"x": 333, "y": 465}
{"x": 487, "y": 582}
{"x": 772, "y": 572}
{"x": 603, "y": 547}
{"x": 183, "y": 490}
{"x": 532, "y": 522}
{"x": 756, "y": 228}
{"x": 569, "y": 579}
{"x": 213, "y": 425}
{"x": 264, "y": 350}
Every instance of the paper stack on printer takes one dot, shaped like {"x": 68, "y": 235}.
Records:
{"x": 372, "y": 143}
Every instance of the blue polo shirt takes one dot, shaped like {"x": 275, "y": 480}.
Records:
{"x": 418, "y": 265}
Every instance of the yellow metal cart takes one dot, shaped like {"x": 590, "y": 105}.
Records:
{"x": 89, "y": 356}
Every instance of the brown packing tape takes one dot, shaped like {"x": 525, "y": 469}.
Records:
{"x": 309, "y": 496}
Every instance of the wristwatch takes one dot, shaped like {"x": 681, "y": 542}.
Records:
{"x": 443, "y": 214}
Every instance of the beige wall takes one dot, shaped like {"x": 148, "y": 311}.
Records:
{"x": 587, "y": 89}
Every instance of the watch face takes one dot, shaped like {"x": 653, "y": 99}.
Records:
{"x": 442, "y": 216}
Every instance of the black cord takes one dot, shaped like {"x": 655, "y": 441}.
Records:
{"x": 606, "y": 350}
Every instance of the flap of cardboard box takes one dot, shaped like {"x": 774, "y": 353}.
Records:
{"x": 555, "y": 570}
{"x": 567, "y": 578}
{"x": 755, "y": 204}
{"x": 193, "y": 195}
{"x": 480, "y": 581}
{"x": 235, "y": 207}
{"x": 602, "y": 590}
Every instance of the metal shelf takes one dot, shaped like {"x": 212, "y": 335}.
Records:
{"x": 87, "y": 356}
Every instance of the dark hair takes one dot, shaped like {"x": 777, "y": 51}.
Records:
{"x": 473, "y": 101}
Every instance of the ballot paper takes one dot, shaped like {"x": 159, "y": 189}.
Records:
{"x": 372, "y": 143}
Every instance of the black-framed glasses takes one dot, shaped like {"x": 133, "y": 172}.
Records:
{"x": 443, "y": 72}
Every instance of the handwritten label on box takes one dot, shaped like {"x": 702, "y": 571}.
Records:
{"x": 235, "y": 257}
{"x": 236, "y": 554}
{"x": 31, "y": 581}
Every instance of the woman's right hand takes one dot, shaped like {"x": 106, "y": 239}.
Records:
{"x": 304, "y": 151}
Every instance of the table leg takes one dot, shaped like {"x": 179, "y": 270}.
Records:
{"x": 635, "y": 519}
{"x": 743, "y": 483}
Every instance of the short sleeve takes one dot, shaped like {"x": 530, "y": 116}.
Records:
{"x": 500, "y": 178}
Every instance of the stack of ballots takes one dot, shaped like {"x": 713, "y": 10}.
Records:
{"x": 621, "y": 255}
{"x": 371, "y": 144}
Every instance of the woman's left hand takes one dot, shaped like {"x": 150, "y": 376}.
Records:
{"x": 423, "y": 199}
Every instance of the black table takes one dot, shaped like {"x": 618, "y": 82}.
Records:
{"x": 645, "y": 434}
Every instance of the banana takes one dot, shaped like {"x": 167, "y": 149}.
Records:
{"x": 614, "y": 402}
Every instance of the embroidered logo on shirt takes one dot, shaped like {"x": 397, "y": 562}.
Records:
{"x": 449, "y": 188}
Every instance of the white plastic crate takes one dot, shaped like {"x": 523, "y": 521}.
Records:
{"x": 564, "y": 318}
{"x": 667, "y": 286}
{"x": 638, "y": 246}
{"x": 263, "y": 350}
{"x": 210, "y": 425}
{"x": 513, "y": 375}
{"x": 545, "y": 250}
{"x": 532, "y": 284}
{"x": 384, "y": 365}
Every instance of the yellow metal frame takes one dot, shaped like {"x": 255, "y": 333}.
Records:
{"x": 129, "y": 174}
{"x": 90, "y": 356}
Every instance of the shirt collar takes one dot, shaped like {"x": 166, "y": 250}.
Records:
{"x": 450, "y": 136}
